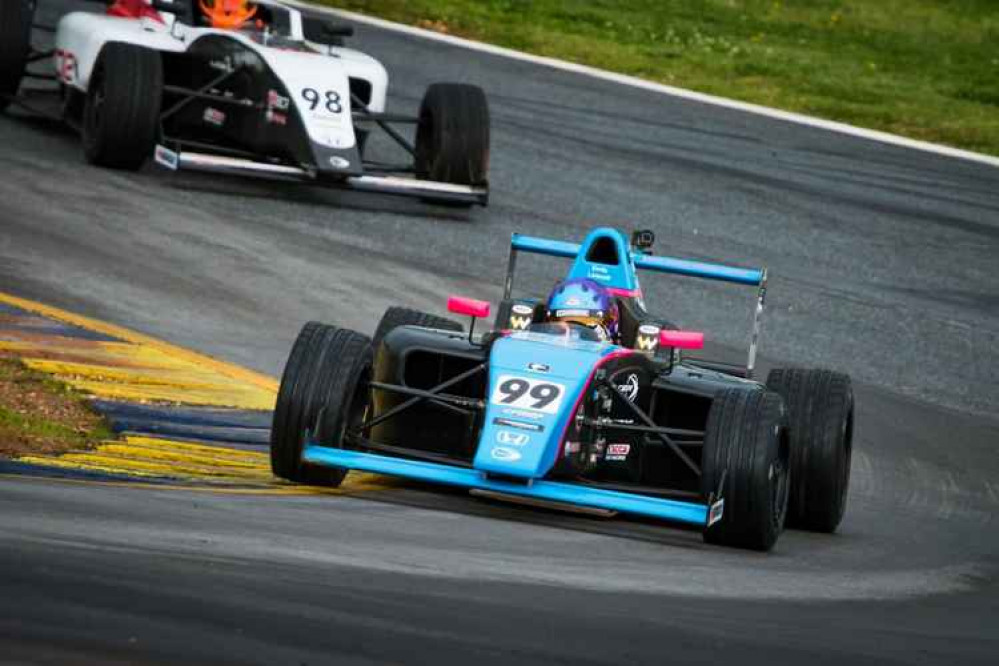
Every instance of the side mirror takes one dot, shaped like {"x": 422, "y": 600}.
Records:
{"x": 467, "y": 306}
{"x": 681, "y": 339}
{"x": 168, "y": 7}
{"x": 338, "y": 30}
{"x": 319, "y": 30}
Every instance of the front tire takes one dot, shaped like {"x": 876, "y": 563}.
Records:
{"x": 820, "y": 415}
{"x": 395, "y": 317}
{"x": 320, "y": 379}
{"x": 16, "y": 17}
{"x": 122, "y": 110}
{"x": 452, "y": 137}
{"x": 746, "y": 455}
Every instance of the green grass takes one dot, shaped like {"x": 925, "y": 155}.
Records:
{"x": 33, "y": 426}
{"x": 41, "y": 415}
{"x": 927, "y": 69}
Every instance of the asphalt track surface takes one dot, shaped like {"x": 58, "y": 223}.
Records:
{"x": 883, "y": 264}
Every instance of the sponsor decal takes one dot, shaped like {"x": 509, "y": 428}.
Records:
{"x": 213, "y": 117}
{"x": 522, "y": 309}
{"x": 523, "y": 414}
{"x": 338, "y": 162}
{"x": 166, "y": 157}
{"x": 629, "y": 387}
{"x": 572, "y": 301}
{"x": 648, "y": 329}
{"x": 519, "y": 323}
{"x": 533, "y": 427}
{"x": 647, "y": 343}
{"x": 572, "y": 447}
{"x": 276, "y": 118}
{"x": 512, "y": 438}
{"x": 617, "y": 452}
{"x": 572, "y": 313}
{"x": 599, "y": 273}
{"x": 277, "y": 101}
{"x": 66, "y": 68}
{"x": 716, "y": 512}
{"x": 505, "y": 454}
{"x": 538, "y": 367}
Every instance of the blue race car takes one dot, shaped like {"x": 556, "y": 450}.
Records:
{"x": 580, "y": 400}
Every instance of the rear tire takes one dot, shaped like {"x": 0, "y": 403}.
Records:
{"x": 820, "y": 417}
{"x": 452, "y": 137}
{"x": 16, "y": 17}
{"x": 319, "y": 380}
{"x": 745, "y": 440}
{"x": 395, "y": 317}
{"x": 122, "y": 111}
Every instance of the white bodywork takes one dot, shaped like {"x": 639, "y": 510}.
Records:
{"x": 80, "y": 36}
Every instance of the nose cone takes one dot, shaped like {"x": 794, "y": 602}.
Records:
{"x": 534, "y": 385}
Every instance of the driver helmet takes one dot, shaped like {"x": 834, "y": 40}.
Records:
{"x": 583, "y": 301}
{"x": 227, "y": 14}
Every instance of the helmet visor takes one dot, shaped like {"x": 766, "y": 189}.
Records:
{"x": 593, "y": 319}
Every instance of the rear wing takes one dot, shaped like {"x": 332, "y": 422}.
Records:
{"x": 753, "y": 277}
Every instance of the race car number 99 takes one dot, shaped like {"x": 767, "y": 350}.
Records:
{"x": 528, "y": 393}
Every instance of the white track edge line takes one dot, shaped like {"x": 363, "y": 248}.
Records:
{"x": 682, "y": 93}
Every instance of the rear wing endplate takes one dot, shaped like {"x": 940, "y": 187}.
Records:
{"x": 754, "y": 277}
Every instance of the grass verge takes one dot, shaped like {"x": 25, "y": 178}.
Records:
{"x": 41, "y": 415}
{"x": 927, "y": 69}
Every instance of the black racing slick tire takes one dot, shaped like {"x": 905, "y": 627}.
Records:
{"x": 122, "y": 110}
{"x": 746, "y": 453}
{"x": 820, "y": 418}
{"x": 16, "y": 17}
{"x": 323, "y": 367}
{"x": 452, "y": 136}
{"x": 395, "y": 317}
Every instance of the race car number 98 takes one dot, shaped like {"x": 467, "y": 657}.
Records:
{"x": 329, "y": 100}
{"x": 528, "y": 393}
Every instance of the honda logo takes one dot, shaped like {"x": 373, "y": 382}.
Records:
{"x": 512, "y": 438}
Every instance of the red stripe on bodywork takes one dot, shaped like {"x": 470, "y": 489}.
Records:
{"x": 133, "y": 9}
{"x": 625, "y": 293}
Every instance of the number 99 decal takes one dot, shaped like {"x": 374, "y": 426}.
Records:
{"x": 528, "y": 393}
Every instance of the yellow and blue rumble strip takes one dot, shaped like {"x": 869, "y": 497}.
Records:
{"x": 182, "y": 418}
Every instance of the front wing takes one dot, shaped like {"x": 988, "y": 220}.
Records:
{"x": 193, "y": 161}
{"x": 540, "y": 489}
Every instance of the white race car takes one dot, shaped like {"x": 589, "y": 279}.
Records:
{"x": 241, "y": 86}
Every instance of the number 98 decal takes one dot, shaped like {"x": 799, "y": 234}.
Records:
{"x": 328, "y": 100}
{"x": 528, "y": 393}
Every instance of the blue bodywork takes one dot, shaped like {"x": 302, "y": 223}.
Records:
{"x": 521, "y": 439}
{"x": 537, "y": 434}
{"x": 623, "y": 277}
